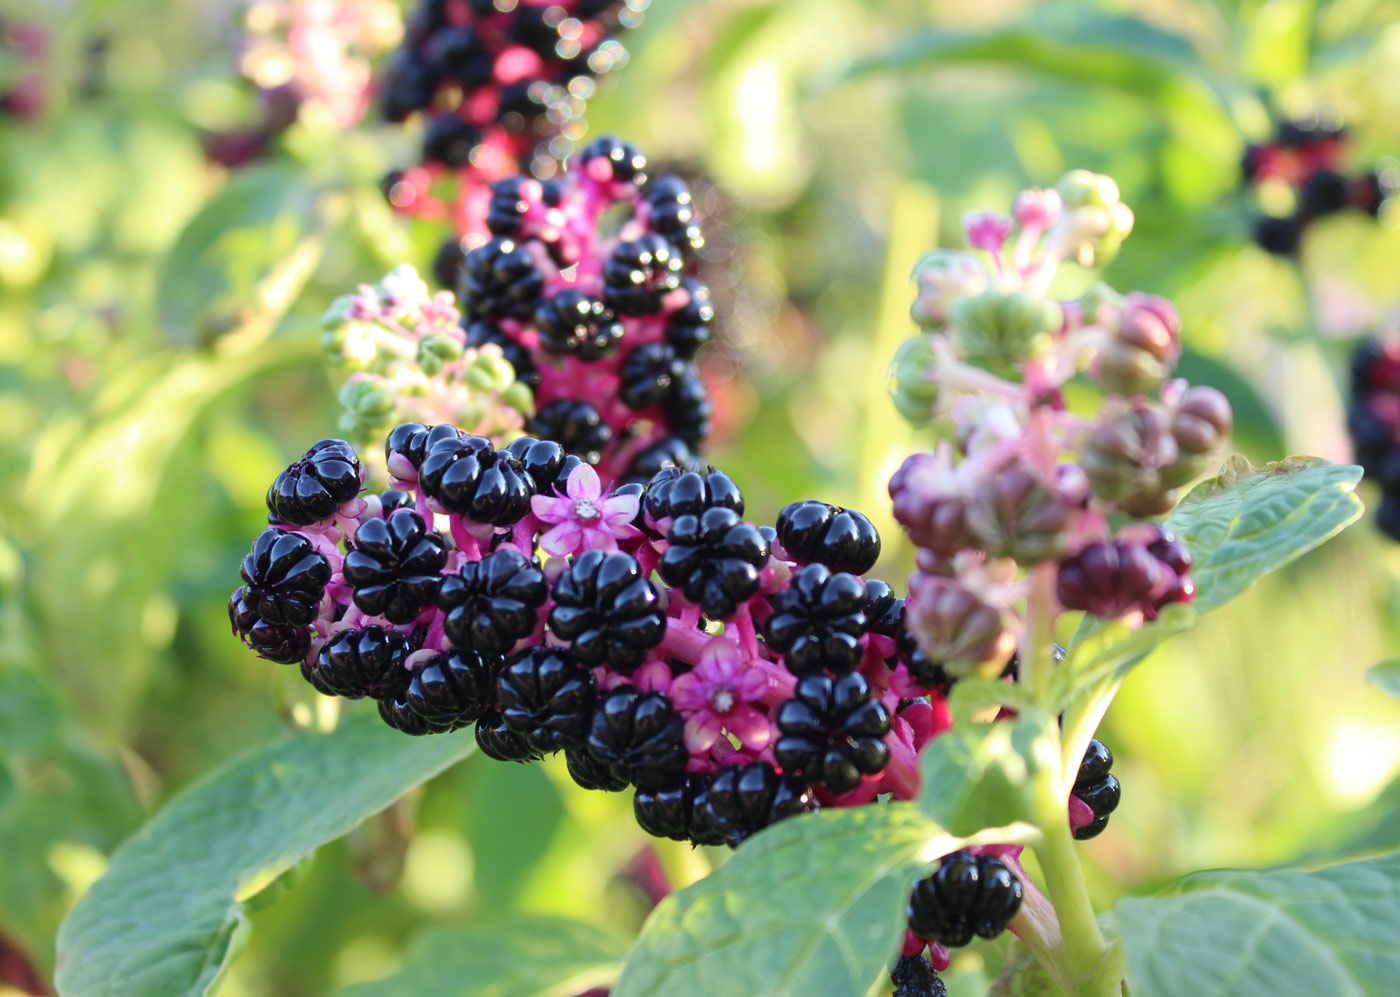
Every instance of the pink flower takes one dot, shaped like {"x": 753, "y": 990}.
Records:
{"x": 718, "y": 695}
{"x": 582, "y": 519}
{"x": 986, "y": 230}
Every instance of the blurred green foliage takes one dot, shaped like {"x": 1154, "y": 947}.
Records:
{"x": 159, "y": 364}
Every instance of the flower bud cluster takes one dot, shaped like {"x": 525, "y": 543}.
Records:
{"x": 1374, "y": 421}
{"x": 500, "y": 87}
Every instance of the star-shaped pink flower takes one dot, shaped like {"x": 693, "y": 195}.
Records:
{"x": 986, "y": 230}
{"x": 718, "y": 695}
{"x": 581, "y": 519}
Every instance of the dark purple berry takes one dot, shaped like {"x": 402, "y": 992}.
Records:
{"x": 654, "y": 457}
{"x": 1278, "y": 236}
{"x": 818, "y": 621}
{"x": 460, "y": 55}
{"x": 647, "y": 374}
{"x": 688, "y": 327}
{"x": 744, "y": 799}
{"x": 408, "y": 86}
{"x": 672, "y": 214}
{"x": 453, "y": 689}
{"x": 682, "y": 491}
{"x": 589, "y": 773}
{"x": 400, "y": 716}
{"x": 640, "y": 273}
{"x": 688, "y": 407}
{"x": 1096, "y": 788}
{"x": 314, "y": 487}
{"x": 394, "y": 566}
{"x": 498, "y": 741}
{"x": 409, "y": 443}
{"x": 544, "y": 461}
{"x": 449, "y": 263}
{"x": 572, "y": 322}
{"x": 914, "y": 976}
{"x": 608, "y": 611}
{"x": 450, "y": 140}
{"x": 669, "y": 812}
{"x": 278, "y": 642}
{"x": 547, "y": 698}
{"x": 492, "y": 603}
{"x": 500, "y": 280}
{"x": 968, "y": 895}
{"x": 627, "y": 161}
{"x": 638, "y": 736}
{"x": 471, "y": 478}
{"x": 284, "y": 578}
{"x": 832, "y": 732}
{"x": 816, "y": 532}
{"x": 715, "y": 559}
{"x": 575, "y": 426}
{"x": 364, "y": 662}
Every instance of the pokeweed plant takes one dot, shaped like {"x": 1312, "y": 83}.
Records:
{"x": 898, "y": 775}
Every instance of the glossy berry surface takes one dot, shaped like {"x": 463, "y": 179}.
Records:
{"x": 607, "y": 610}
{"x": 283, "y": 643}
{"x": 576, "y": 426}
{"x": 818, "y": 620}
{"x": 284, "y": 578}
{"x": 310, "y": 490}
{"x": 546, "y": 698}
{"x": 968, "y": 895}
{"x": 682, "y": 491}
{"x": 668, "y": 451}
{"x": 394, "y": 566}
{"x": 637, "y": 736}
{"x": 639, "y": 273}
{"x": 453, "y": 689}
{"x": 408, "y": 444}
{"x": 500, "y": 280}
{"x": 648, "y": 374}
{"x": 590, "y": 773}
{"x": 688, "y": 328}
{"x": 498, "y": 741}
{"x": 1096, "y": 788}
{"x": 578, "y": 324}
{"x": 473, "y": 479}
{"x": 832, "y": 732}
{"x": 365, "y": 662}
{"x": 403, "y": 718}
{"x": 492, "y": 603}
{"x": 744, "y": 799}
{"x": 715, "y": 558}
{"x": 668, "y": 812}
{"x": 814, "y": 532}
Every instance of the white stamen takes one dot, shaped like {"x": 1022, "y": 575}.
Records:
{"x": 722, "y": 700}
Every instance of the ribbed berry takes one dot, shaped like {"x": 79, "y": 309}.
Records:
{"x": 647, "y": 374}
{"x": 459, "y": 54}
{"x": 500, "y": 280}
{"x": 545, "y": 461}
{"x": 408, "y": 444}
{"x": 590, "y": 773}
{"x": 314, "y": 487}
{"x": 394, "y": 564}
{"x": 832, "y": 732}
{"x": 682, "y": 491}
{"x": 498, "y": 741}
{"x": 715, "y": 559}
{"x": 408, "y": 86}
{"x": 688, "y": 327}
{"x": 576, "y": 426}
{"x": 672, "y": 213}
{"x": 547, "y": 698}
{"x": 400, "y": 716}
{"x": 968, "y": 895}
{"x": 607, "y": 610}
{"x": 668, "y": 812}
{"x": 639, "y": 273}
{"x": 625, "y": 161}
{"x": 471, "y": 478}
{"x": 1098, "y": 789}
{"x": 505, "y": 213}
{"x": 284, "y": 578}
{"x": 744, "y": 799}
{"x": 879, "y": 600}
{"x": 578, "y": 324}
{"x": 454, "y": 688}
{"x": 492, "y": 603}
{"x": 687, "y": 406}
{"x": 638, "y": 736}
{"x": 654, "y": 457}
{"x": 280, "y": 642}
{"x": 364, "y": 662}
{"x": 816, "y": 532}
{"x": 817, "y": 621}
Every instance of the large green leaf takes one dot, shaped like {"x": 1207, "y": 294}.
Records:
{"x": 1386, "y": 677}
{"x": 168, "y": 915}
{"x": 1261, "y": 934}
{"x": 515, "y": 956}
{"x": 980, "y": 775}
{"x": 813, "y": 905}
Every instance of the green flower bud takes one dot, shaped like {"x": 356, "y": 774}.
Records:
{"x": 519, "y": 397}
{"x": 1001, "y": 327}
{"x": 913, "y": 390}
{"x": 367, "y": 399}
{"x": 1095, "y": 221}
{"x": 944, "y": 277}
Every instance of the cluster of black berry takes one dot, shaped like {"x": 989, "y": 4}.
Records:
{"x": 603, "y": 322}
{"x": 1374, "y": 420}
{"x": 1307, "y": 156}
{"x": 501, "y": 85}
{"x": 1095, "y": 794}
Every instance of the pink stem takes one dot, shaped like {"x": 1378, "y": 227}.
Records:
{"x": 901, "y": 774}
{"x": 465, "y": 542}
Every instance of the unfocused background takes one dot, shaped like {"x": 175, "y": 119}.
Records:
{"x": 159, "y": 364}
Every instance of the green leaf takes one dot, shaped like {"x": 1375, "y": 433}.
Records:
{"x": 516, "y": 956}
{"x": 168, "y": 915}
{"x": 972, "y": 695}
{"x": 241, "y": 261}
{"x": 1386, "y": 677}
{"x": 1104, "y": 648}
{"x": 980, "y": 775}
{"x": 1261, "y": 934}
{"x": 814, "y": 904}
{"x": 1250, "y": 521}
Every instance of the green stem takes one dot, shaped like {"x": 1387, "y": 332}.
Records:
{"x": 1037, "y": 657}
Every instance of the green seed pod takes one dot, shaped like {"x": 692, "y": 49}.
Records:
{"x": 1012, "y": 514}
{"x": 1126, "y": 453}
{"x": 943, "y": 278}
{"x": 519, "y": 397}
{"x": 914, "y": 391}
{"x": 1095, "y": 218}
{"x": 999, "y": 327}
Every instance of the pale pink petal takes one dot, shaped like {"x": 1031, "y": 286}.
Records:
{"x": 623, "y": 531}
{"x": 749, "y": 726}
{"x": 622, "y": 508}
{"x": 551, "y": 510}
{"x": 561, "y": 540}
{"x": 596, "y": 539}
{"x": 750, "y": 684}
{"x": 689, "y": 693}
{"x": 653, "y": 676}
{"x": 701, "y": 732}
{"x": 584, "y": 483}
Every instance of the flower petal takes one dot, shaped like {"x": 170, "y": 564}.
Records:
{"x": 561, "y": 540}
{"x": 621, "y": 508}
{"x": 689, "y": 692}
{"x": 750, "y": 684}
{"x": 551, "y": 510}
{"x": 701, "y": 732}
{"x": 750, "y": 726}
{"x": 584, "y": 483}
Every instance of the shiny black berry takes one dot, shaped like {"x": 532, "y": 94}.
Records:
{"x": 668, "y": 451}
{"x": 672, "y": 213}
{"x": 688, "y": 407}
{"x": 879, "y": 601}
{"x": 688, "y": 327}
{"x": 590, "y": 773}
{"x": 668, "y": 812}
{"x": 812, "y": 531}
{"x": 608, "y": 611}
{"x": 715, "y": 559}
{"x": 545, "y": 461}
{"x": 744, "y": 799}
{"x": 394, "y": 566}
{"x": 280, "y": 642}
{"x": 492, "y": 603}
{"x": 459, "y": 54}
{"x": 578, "y": 324}
{"x": 832, "y": 732}
{"x": 453, "y": 689}
{"x": 408, "y": 86}
{"x": 818, "y": 621}
{"x": 682, "y": 491}
{"x": 284, "y": 578}
{"x": 575, "y": 426}
{"x": 547, "y": 698}
{"x": 647, "y": 374}
{"x": 1097, "y": 788}
{"x": 626, "y": 161}
{"x": 409, "y": 442}
{"x": 364, "y": 662}
{"x": 638, "y": 736}
{"x": 498, "y": 741}
{"x": 469, "y": 477}
{"x": 968, "y": 895}
{"x": 314, "y": 487}
{"x": 639, "y": 273}
{"x": 500, "y": 280}
{"x": 400, "y": 716}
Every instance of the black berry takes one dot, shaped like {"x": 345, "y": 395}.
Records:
{"x": 547, "y": 698}
{"x": 680, "y": 491}
{"x": 639, "y": 273}
{"x": 669, "y": 812}
{"x": 1097, "y": 788}
{"x": 1278, "y": 236}
{"x": 498, "y": 741}
{"x": 590, "y": 773}
{"x": 364, "y": 662}
{"x": 816, "y": 532}
{"x": 314, "y": 487}
{"x": 627, "y": 161}
{"x": 968, "y": 895}
{"x": 668, "y": 451}
{"x": 500, "y": 280}
{"x": 394, "y": 566}
{"x": 284, "y": 578}
{"x": 832, "y": 732}
{"x": 283, "y": 643}
{"x": 744, "y": 799}
{"x": 453, "y": 689}
{"x": 473, "y": 479}
{"x": 671, "y": 213}
{"x": 688, "y": 327}
{"x": 818, "y": 621}
{"x": 715, "y": 559}
{"x": 647, "y": 374}
{"x": 575, "y": 323}
{"x": 638, "y": 737}
{"x": 575, "y": 426}
{"x": 608, "y": 611}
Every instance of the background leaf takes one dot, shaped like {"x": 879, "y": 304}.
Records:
{"x": 1386, "y": 677}
{"x": 1260, "y": 934}
{"x": 526, "y": 955}
{"x": 166, "y": 917}
{"x": 979, "y": 776}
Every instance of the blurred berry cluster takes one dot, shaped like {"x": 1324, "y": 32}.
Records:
{"x": 24, "y": 48}
{"x": 1374, "y": 421}
{"x": 1306, "y": 158}
{"x": 501, "y": 86}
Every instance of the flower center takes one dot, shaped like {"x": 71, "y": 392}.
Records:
{"x": 585, "y": 509}
{"x": 722, "y": 700}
